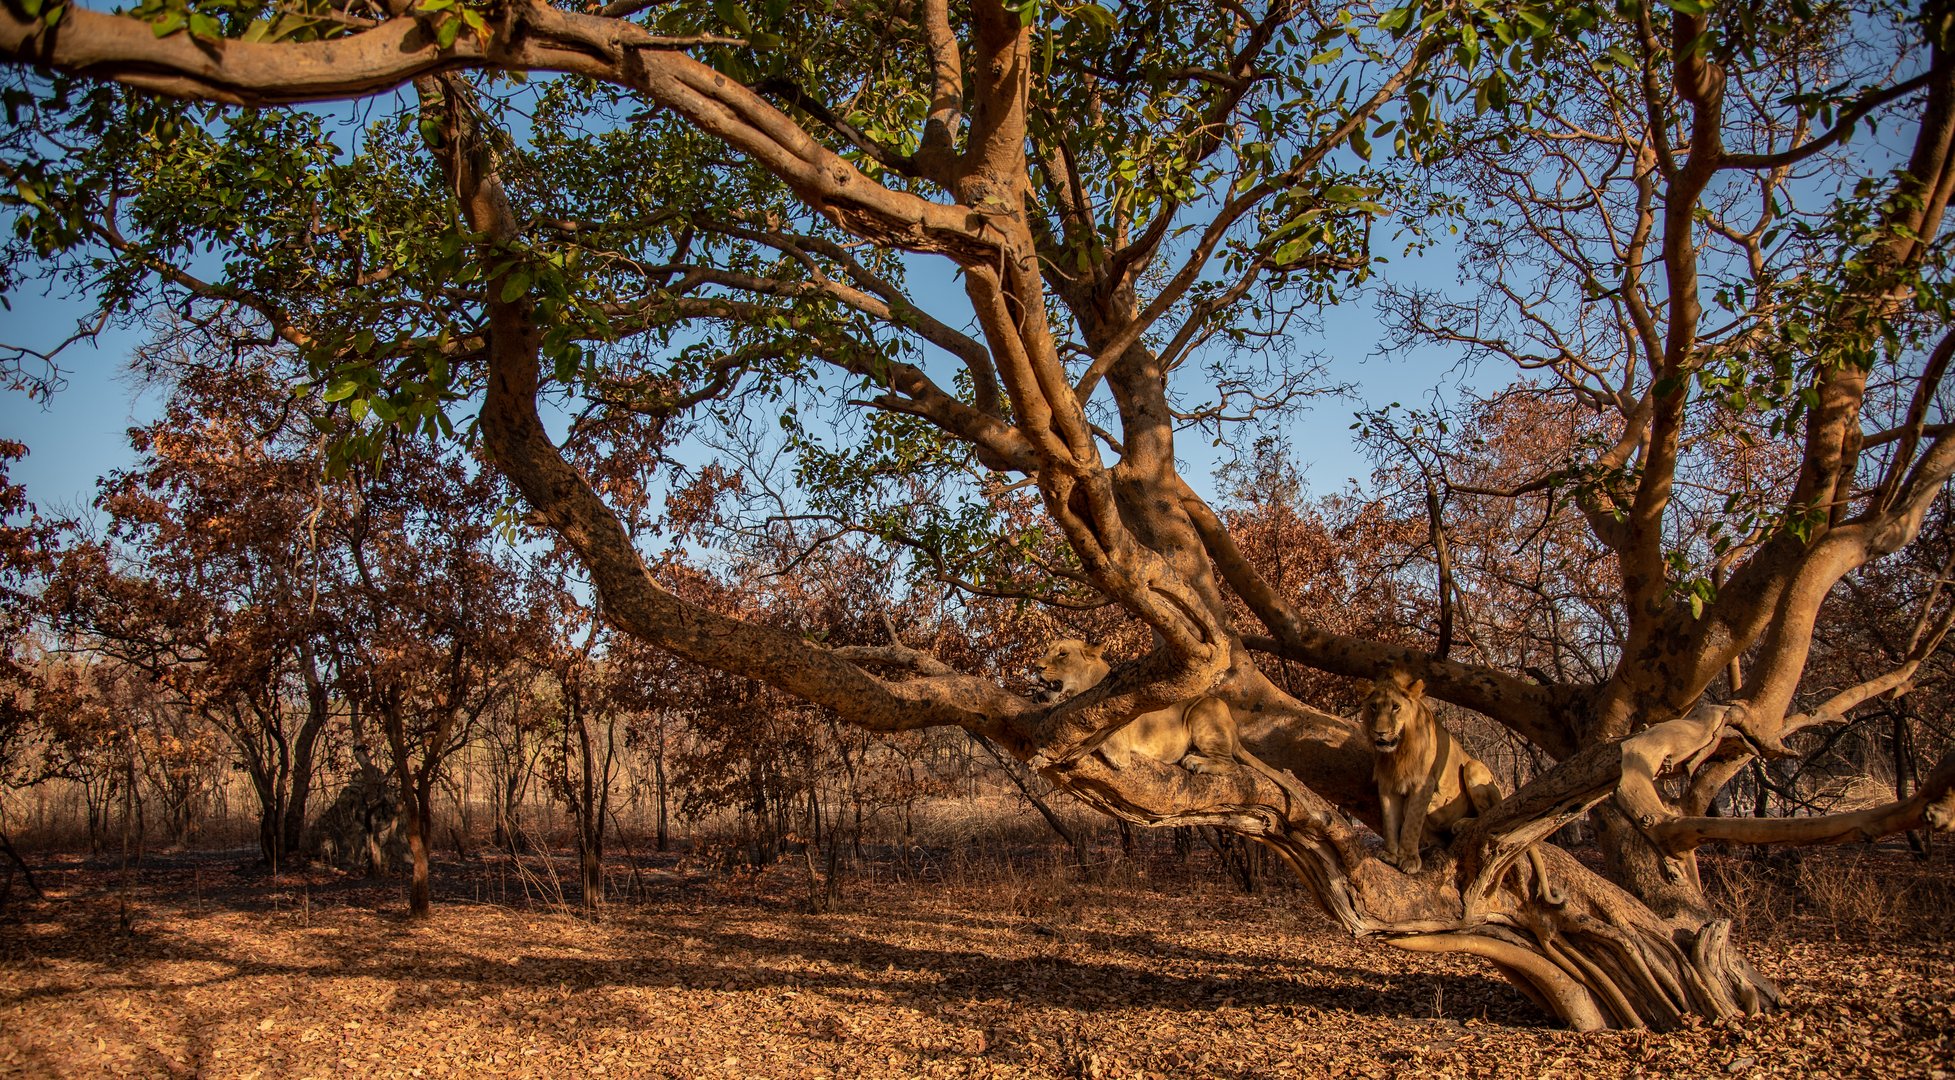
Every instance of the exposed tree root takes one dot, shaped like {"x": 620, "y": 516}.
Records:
{"x": 1582, "y": 948}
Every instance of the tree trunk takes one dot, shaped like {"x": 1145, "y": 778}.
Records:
{"x": 300, "y": 791}
{"x": 416, "y": 809}
{"x": 658, "y": 774}
{"x": 271, "y": 834}
{"x": 590, "y": 817}
{"x": 1632, "y": 862}
{"x": 305, "y": 753}
{"x": 508, "y": 799}
{"x": 420, "y": 831}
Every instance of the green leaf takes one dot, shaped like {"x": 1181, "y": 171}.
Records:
{"x": 733, "y": 15}
{"x": 447, "y": 32}
{"x": 1291, "y": 251}
{"x": 341, "y": 390}
{"x": 514, "y": 286}
{"x": 1096, "y": 16}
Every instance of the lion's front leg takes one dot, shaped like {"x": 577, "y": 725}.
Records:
{"x": 1412, "y": 827}
{"x": 1391, "y": 806}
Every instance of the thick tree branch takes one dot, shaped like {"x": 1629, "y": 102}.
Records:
{"x": 1925, "y": 806}
{"x": 531, "y": 36}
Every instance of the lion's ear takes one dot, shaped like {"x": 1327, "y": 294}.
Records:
{"x": 1365, "y": 687}
{"x": 1417, "y": 689}
{"x": 1096, "y": 651}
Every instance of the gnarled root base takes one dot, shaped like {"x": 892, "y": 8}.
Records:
{"x": 1584, "y": 950}
{"x": 1594, "y": 975}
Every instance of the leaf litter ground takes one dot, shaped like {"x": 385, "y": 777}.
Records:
{"x": 200, "y": 965}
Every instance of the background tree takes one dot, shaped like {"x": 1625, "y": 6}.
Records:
{"x": 220, "y": 579}
{"x": 443, "y": 617}
{"x": 27, "y": 545}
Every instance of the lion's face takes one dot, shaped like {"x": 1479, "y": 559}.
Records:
{"x": 1391, "y": 707}
{"x": 1940, "y": 814}
{"x": 1071, "y": 666}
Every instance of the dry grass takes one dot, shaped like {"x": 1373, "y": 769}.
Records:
{"x": 1838, "y": 894}
{"x": 1012, "y": 967}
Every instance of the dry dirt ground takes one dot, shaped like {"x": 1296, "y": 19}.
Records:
{"x": 201, "y": 965}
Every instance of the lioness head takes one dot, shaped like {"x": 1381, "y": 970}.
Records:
{"x": 1393, "y": 704}
{"x": 1940, "y": 814}
{"x": 1071, "y": 666}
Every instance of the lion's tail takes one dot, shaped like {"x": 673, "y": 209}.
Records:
{"x": 1544, "y": 885}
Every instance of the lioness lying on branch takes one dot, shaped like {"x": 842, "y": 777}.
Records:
{"x": 1198, "y": 734}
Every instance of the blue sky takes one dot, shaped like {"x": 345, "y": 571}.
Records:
{"x": 80, "y": 433}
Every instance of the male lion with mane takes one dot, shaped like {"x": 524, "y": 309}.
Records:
{"x": 1423, "y": 774}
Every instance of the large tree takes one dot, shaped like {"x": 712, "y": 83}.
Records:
{"x": 705, "y": 218}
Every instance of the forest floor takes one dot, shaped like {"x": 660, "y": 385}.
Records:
{"x": 203, "y": 965}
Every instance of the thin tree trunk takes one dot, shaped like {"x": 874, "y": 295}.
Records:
{"x": 304, "y": 755}
{"x": 416, "y": 810}
{"x": 590, "y": 818}
{"x": 26, "y": 871}
{"x": 658, "y": 773}
{"x": 420, "y": 830}
{"x": 1073, "y": 837}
